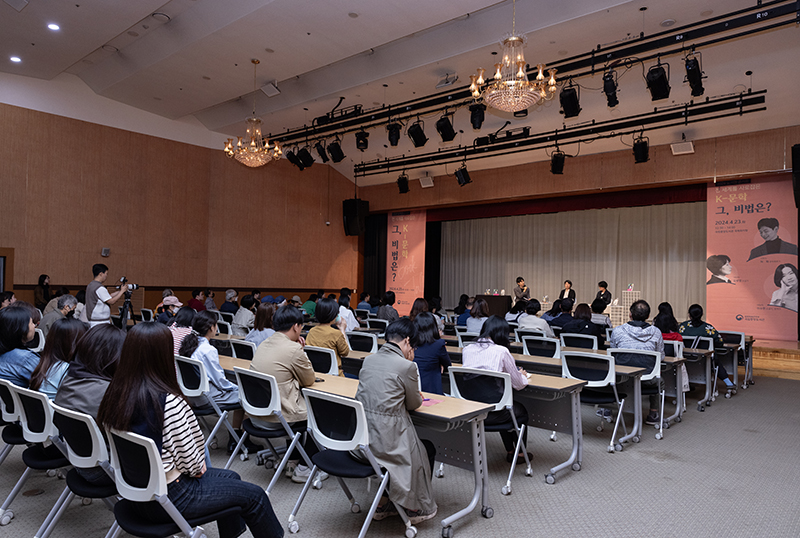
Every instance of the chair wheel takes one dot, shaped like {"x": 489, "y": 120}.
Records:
{"x": 447, "y": 532}
{"x": 411, "y": 532}
{"x": 618, "y": 447}
{"x": 666, "y": 424}
{"x": 294, "y": 526}
{"x": 550, "y": 479}
{"x": 553, "y": 437}
{"x": 355, "y": 508}
{"x": 528, "y": 472}
{"x": 636, "y": 439}
{"x": 700, "y": 408}
{"x": 600, "y": 428}
{"x": 611, "y": 449}
{"x": 728, "y": 395}
{"x": 213, "y": 445}
{"x": 317, "y": 483}
{"x": 678, "y": 419}
{"x": 244, "y": 457}
{"x": 86, "y": 501}
{"x": 487, "y": 512}
{"x": 506, "y": 490}
{"x": 576, "y": 466}
{"x": 659, "y": 436}
{"x": 51, "y": 472}
{"x": 8, "y": 515}
{"x": 439, "y": 473}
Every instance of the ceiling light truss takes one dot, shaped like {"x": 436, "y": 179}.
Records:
{"x": 689, "y": 113}
{"x": 752, "y": 20}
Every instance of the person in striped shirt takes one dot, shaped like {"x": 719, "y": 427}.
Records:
{"x": 491, "y": 352}
{"x": 144, "y": 397}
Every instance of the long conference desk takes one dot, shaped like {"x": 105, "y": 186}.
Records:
{"x": 455, "y": 427}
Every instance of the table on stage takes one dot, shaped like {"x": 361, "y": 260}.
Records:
{"x": 454, "y": 426}
{"x": 499, "y": 305}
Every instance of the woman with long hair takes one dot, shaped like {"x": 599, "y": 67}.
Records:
{"x": 56, "y": 355}
{"x": 144, "y": 397}
{"x": 431, "y": 356}
{"x": 666, "y": 323}
{"x": 262, "y": 326}
{"x": 17, "y": 328}
{"x": 419, "y": 305}
{"x": 695, "y": 326}
{"x": 478, "y": 316}
{"x": 491, "y": 352}
{"x": 554, "y": 311}
{"x": 181, "y": 326}
{"x": 41, "y": 292}
{"x": 462, "y": 304}
{"x": 582, "y": 323}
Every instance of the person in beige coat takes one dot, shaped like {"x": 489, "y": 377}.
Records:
{"x": 388, "y": 388}
{"x": 282, "y": 356}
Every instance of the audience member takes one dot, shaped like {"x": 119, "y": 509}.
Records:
{"x": 269, "y": 299}
{"x": 180, "y": 326}
{"x": 80, "y": 308}
{"x": 244, "y": 318}
{"x": 418, "y": 306}
{"x": 53, "y": 303}
{"x": 296, "y": 301}
{"x": 310, "y": 306}
{"x": 144, "y": 397}
{"x": 7, "y": 298}
{"x": 521, "y": 291}
{"x": 98, "y": 300}
{"x": 41, "y": 292}
{"x": 582, "y": 324}
{"x": 695, "y": 326}
{"x": 197, "y": 302}
{"x": 56, "y": 355}
{"x": 478, "y": 315}
{"x": 280, "y": 301}
{"x": 598, "y": 307}
{"x": 566, "y": 314}
{"x": 256, "y": 295}
{"x": 282, "y": 356}
{"x": 17, "y": 328}
{"x": 329, "y": 334}
{"x": 462, "y": 304}
{"x": 210, "y": 304}
{"x": 666, "y": 323}
{"x": 386, "y": 310}
{"x": 388, "y": 389}
{"x": 65, "y": 304}
{"x": 603, "y": 294}
{"x": 171, "y": 305}
{"x": 262, "y": 326}
{"x": 517, "y": 311}
{"x": 567, "y": 292}
{"x": 464, "y": 316}
{"x": 364, "y": 302}
{"x": 430, "y": 355}
{"x": 346, "y": 315}
{"x": 532, "y": 321}
{"x": 555, "y": 311}
{"x": 164, "y": 294}
{"x": 230, "y": 305}
{"x": 491, "y": 352}
{"x": 638, "y": 334}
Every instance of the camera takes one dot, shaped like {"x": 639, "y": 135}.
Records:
{"x": 124, "y": 280}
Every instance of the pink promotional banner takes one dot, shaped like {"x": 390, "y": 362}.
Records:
{"x": 405, "y": 258}
{"x": 752, "y": 276}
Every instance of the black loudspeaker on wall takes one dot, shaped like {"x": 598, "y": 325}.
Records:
{"x": 796, "y": 174}
{"x": 354, "y": 215}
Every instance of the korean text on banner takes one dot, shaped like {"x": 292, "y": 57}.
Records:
{"x": 405, "y": 258}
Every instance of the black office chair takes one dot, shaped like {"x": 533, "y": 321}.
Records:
{"x": 12, "y": 431}
{"x": 541, "y": 346}
{"x": 243, "y": 349}
{"x": 363, "y": 342}
{"x": 323, "y": 360}
{"x": 585, "y": 341}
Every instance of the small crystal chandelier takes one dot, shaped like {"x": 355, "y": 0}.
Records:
{"x": 511, "y": 90}
{"x": 254, "y": 151}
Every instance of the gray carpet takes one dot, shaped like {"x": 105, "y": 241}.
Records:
{"x": 730, "y": 471}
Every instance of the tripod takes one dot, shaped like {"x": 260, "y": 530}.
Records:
{"x": 126, "y": 312}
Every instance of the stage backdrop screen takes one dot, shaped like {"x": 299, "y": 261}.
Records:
{"x": 405, "y": 258}
{"x": 751, "y": 265}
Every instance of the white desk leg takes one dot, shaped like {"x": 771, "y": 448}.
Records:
{"x": 679, "y": 402}
{"x": 576, "y": 457}
{"x": 636, "y": 432}
{"x": 709, "y": 386}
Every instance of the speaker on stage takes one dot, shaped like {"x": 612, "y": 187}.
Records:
{"x": 796, "y": 174}
{"x": 354, "y": 215}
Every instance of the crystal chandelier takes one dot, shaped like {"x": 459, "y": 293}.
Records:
{"x": 252, "y": 150}
{"x": 511, "y": 90}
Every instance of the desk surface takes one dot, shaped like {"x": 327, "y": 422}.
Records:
{"x": 226, "y": 337}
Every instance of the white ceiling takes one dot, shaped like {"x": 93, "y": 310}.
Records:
{"x": 195, "y": 62}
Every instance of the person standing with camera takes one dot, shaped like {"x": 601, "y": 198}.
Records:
{"x": 98, "y": 299}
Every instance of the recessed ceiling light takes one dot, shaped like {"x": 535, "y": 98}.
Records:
{"x": 206, "y": 77}
{"x": 666, "y": 23}
{"x": 15, "y": 59}
{"x": 162, "y": 17}
{"x": 352, "y": 15}
{"x": 269, "y": 50}
{"x": 54, "y": 27}
{"x": 133, "y": 34}
{"x": 157, "y": 98}
{"x": 707, "y": 13}
{"x": 110, "y": 48}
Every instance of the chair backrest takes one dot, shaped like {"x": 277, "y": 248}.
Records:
{"x": 192, "y": 376}
{"x": 733, "y": 337}
{"x": 556, "y": 330}
{"x": 541, "y": 346}
{"x": 596, "y": 369}
{"x": 138, "y": 470}
{"x": 147, "y": 314}
{"x": 371, "y": 315}
{"x": 258, "y": 392}
{"x": 363, "y": 342}
{"x": 586, "y": 341}
{"x": 519, "y": 333}
{"x": 466, "y": 338}
{"x": 323, "y": 360}
{"x": 242, "y": 349}
{"x": 35, "y": 414}
{"x": 363, "y": 313}
{"x": 673, "y": 348}
{"x": 223, "y": 327}
{"x": 37, "y": 343}
{"x": 513, "y": 325}
{"x": 86, "y": 447}
{"x": 698, "y": 342}
{"x": 486, "y": 386}
{"x": 116, "y": 321}
{"x": 609, "y": 330}
{"x": 10, "y": 412}
{"x": 375, "y": 323}
{"x": 461, "y": 329}
{"x": 227, "y": 317}
{"x": 656, "y": 355}
{"x": 337, "y": 423}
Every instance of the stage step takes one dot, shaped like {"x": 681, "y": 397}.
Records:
{"x": 776, "y": 359}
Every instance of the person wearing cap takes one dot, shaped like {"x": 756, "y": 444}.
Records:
{"x": 230, "y": 305}
{"x": 171, "y": 305}
{"x": 269, "y": 299}
{"x": 280, "y": 301}
{"x": 296, "y": 301}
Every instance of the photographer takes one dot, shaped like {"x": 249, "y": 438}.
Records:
{"x": 98, "y": 300}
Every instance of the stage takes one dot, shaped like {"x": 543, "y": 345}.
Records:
{"x": 775, "y": 358}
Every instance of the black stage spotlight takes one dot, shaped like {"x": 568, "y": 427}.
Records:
{"x": 694, "y": 74}
{"x": 416, "y": 132}
{"x": 610, "y": 88}
{"x": 362, "y": 141}
{"x": 557, "y": 162}
{"x": 305, "y": 158}
{"x": 570, "y": 101}
{"x": 476, "y": 115}
{"x": 445, "y": 128}
{"x": 292, "y": 158}
{"x": 335, "y": 151}
{"x": 641, "y": 150}
{"x": 321, "y": 151}
{"x": 462, "y": 175}
{"x": 402, "y": 183}
{"x": 658, "y": 82}
{"x": 394, "y": 133}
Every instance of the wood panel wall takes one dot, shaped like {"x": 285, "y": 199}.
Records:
{"x": 727, "y": 156}
{"x": 172, "y": 214}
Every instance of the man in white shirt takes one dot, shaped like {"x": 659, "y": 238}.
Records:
{"x": 98, "y": 300}
{"x": 532, "y": 321}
